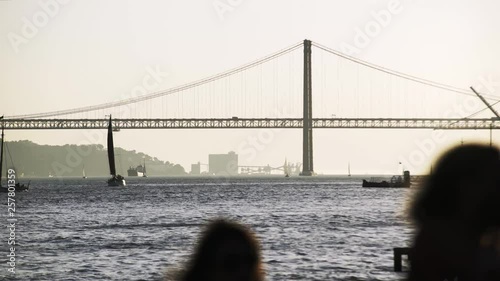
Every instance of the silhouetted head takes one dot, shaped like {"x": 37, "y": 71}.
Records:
{"x": 226, "y": 251}
{"x": 465, "y": 187}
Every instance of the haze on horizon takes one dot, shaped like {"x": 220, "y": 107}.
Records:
{"x": 92, "y": 52}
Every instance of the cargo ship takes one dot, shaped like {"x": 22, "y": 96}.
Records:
{"x": 139, "y": 171}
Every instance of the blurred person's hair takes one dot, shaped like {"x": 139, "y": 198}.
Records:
{"x": 206, "y": 255}
{"x": 475, "y": 167}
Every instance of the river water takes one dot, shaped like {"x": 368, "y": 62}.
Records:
{"x": 318, "y": 228}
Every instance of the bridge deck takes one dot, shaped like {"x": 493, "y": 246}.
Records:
{"x": 252, "y": 123}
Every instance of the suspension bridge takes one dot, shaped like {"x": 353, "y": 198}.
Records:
{"x": 277, "y": 92}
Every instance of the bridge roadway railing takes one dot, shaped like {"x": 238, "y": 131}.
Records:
{"x": 252, "y": 123}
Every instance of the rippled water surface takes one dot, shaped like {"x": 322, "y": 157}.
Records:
{"x": 320, "y": 228}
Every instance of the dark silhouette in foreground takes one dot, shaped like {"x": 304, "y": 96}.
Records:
{"x": 457, "y": 214}
{"x": 226, "y": 251}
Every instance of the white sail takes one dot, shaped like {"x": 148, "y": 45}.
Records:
{"x": 286, "y": 168}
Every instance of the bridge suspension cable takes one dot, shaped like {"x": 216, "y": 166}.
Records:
{"x": 229, "y": 73}
{"x": 397, "y": 73}
{"x": 165, "y": 92}
{"x": 476, "y": 113}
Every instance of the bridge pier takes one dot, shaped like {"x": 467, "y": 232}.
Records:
{"x": 307, "y": 147}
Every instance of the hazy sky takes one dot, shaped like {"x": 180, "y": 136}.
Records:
{"x": 65, "y": 54}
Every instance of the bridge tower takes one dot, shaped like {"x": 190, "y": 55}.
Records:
{"x": 307, "y": 148}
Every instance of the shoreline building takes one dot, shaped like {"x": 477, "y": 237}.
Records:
{"x": 223, "y": 164}
{"x": 195, "y": 169}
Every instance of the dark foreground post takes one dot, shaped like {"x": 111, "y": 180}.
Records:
{"x": 398, "y": 253}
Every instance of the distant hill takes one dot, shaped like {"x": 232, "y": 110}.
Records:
{"x": 34, "y": 160}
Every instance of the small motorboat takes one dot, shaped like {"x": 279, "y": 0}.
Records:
{"x": 395, "y": 182}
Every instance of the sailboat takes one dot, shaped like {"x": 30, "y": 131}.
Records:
{"x": 83, "y": 172}
{"x": 17, "y": 186}
{"x": 144, "y": 170}
{"x": 349, "y": 169}
{"x": 286, "y": 169}
{"x": 115, "y": 180}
